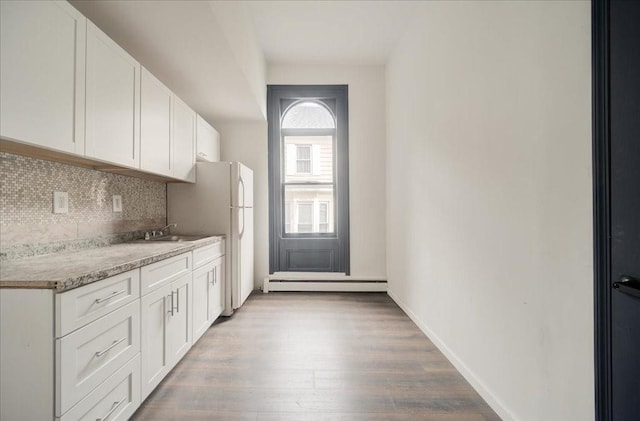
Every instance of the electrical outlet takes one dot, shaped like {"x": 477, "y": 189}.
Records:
{"x": 117, "y": 203}
{"x": 60, "y": 202}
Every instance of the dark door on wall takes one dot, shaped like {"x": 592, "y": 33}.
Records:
{"x": 308, "y": 178}
{"x": 617, "y": 172}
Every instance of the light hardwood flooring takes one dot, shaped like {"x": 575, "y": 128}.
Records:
{"x": 312, "y": 357}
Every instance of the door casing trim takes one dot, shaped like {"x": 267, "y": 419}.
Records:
{"x": 601, "y": 207}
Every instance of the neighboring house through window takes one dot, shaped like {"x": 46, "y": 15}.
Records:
{"x": 323, "y": 217}
{"x": 305, "y": 216}
{"x": 303, "y": 159}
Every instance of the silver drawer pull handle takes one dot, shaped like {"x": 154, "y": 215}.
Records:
{"x": 113, "y": 408}
{"x": 107, "y": 349}
{"x": 110, "y": 296}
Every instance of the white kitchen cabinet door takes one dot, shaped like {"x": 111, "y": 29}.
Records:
{"x": 201, "y": 287}
{"x": 155, "y": 125}
{"x": 208, "y": 141}
{"x": 180, "y": 334}
{"x": 154, "y": 352}
{"x": 166, "y": 335}
{"x": 216, "y": 296}
{"x": 42, "y": 78}
{"x": 112, "y": 101}
{"x": 184, "y": 139}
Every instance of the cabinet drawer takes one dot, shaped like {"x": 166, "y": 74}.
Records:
{"x": 83, "y": 305}
{"x": 115, "y": 399}
{"x": 207, "y": 254}
{"x": 91, "y": 354}
{"x": 157, "y": 274}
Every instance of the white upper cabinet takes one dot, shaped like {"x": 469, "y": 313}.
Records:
{"x": 42, "y": 46}
{"x": 112, "y": 101}
{"x": 66, "y": 86}
{"x": 208, "y": 140}
{"x": 184, "y": 140}
{"x": 155, "y": 126}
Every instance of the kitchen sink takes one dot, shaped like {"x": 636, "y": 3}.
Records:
{"x": 174, "y": 238}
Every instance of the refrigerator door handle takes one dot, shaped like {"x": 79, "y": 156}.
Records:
{"x": 241, "y": 183}
{"x": 241, "y": 233}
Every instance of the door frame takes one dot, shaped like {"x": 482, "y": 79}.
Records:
{"x": 341, "y": 224}
{"x": 601, "y": 207}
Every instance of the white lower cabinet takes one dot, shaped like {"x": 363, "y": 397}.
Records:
{"x": 97, "y": 351}
{"x": 207, "y": 295}
{"x": 155, "y": 315}
{"x": 216, "y": 297}
{"x": 180, "y": 336}
{"x": 166, "y": 330}
{"x": 88, "y": 356}
{"x": 115, "y": 399}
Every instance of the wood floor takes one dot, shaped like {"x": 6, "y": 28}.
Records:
{"x": 312, "y": 357}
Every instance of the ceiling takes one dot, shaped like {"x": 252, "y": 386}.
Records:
{"x": 193, "y": 48}
{"x": 342, "y": 32}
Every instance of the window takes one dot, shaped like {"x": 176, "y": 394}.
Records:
{"x": 305, "y": 217}
{"x": 308, "y": 178}
{"x": 323, "y": 217}
{"x": 303, "y": 159}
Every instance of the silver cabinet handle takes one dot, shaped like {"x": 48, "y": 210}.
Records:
{"x": 113, "y": 408}
{"x": 178, "y": 300}
{"x": 107, "y": 349}
{"x": 215, "y": 276}
{"x": 110, "y": 296}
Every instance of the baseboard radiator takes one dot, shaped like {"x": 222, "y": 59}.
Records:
{"x": 321, "y": 282}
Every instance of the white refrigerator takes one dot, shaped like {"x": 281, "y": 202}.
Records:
{"x": 220, "y": 202}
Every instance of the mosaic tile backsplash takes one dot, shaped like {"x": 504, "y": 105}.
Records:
{"x": 28, "y": 225}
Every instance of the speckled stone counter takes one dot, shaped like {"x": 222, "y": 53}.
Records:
{"x": 65, "y": 271}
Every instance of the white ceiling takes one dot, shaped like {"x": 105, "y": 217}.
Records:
{"x": 183, "y": 43}
{"x": 343, "y": 32}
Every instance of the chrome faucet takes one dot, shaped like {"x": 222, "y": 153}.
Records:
{"x": 158, "y": 233}
{"x": 161, "y": 230}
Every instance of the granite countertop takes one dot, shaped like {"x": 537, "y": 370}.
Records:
{"x": 65, "y": 271}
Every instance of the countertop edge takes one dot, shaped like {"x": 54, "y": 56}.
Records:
{"x": 66, "y": 284}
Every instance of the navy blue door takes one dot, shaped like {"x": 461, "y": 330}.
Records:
{"x": 625, "y": 208}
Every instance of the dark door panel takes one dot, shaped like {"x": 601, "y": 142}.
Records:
{"x": 617, "y": 149}
{"x": 625, "y": 206}
{"x": 308, "y": 178}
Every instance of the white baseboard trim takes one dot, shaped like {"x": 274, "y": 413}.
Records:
{"x": 476, "y": 383}
{"x": 323, "y": 286}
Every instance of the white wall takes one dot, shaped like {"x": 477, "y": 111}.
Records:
{"x": 489, "y": 235}
{"x": 367, "y": 181}
{"x": 246, "y": 141}
{"x": 236, "y": 22}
